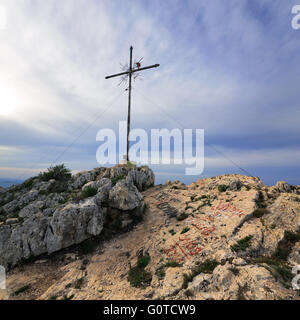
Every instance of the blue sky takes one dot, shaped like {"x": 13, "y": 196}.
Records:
{"x": 228, "y": 67}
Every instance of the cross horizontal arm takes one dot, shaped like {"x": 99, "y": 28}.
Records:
{"x": 132, "y": 71}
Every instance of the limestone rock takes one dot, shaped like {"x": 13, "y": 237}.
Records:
{"x": 282, "y": 186}
{"x": 125, "y": 196}
{"x": 73, "y": 224}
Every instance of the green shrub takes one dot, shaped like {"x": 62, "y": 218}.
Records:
{"x": 242, "y": 244}
{"x": 184, "y": 230}
{"x": 172, "y": 264}
{"x": 28, "y": 183}
{"x": 114, "y": 180}
{"x": 172, "y": 232}
{"x": 284, "y": 246}
{"x": 139, "y": 277}
{"x": 207, "y": 266}
{"x": 58, "y": 173}
{"x": 22, "y": 289}
{"x": 160, "y": 272}
{"x": 143, "y": 261}
{"x": 285, "y": 272}
{"x": 222, "y": 187}
{"x": 89, "y": 192}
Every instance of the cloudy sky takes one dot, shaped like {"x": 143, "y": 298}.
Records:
{"x": 228, "y": 67}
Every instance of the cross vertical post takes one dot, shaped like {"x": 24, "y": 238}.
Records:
{"x": 129, "y": 72}
{"x": 129, "y": 104}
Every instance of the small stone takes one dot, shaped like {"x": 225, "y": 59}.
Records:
{"x": 12, "y": 221}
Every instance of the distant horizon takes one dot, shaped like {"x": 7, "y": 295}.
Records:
{"x": 162, "y": 177}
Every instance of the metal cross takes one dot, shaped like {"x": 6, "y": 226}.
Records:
{"x": 129, "y": 72}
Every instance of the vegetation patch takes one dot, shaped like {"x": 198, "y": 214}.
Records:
{"x": 184, "y": 230}
{"x": 277, "y": 261}
{"x": 29, "y": 183}
{"x": 89, "y": 192}
{"x": 22, "y": 289}
{"x": 242, "y": 244}
{"x": 161, "y": 271}
{"x": 222, "y": 187}
{"x": 138, "y": 277}
{"x": 172, "y": 264}
{"x": 206, "y": 267}
{"x": 58, "y": 173}
{"x": 114, "y": 180}
{"x": 143, "y": 261}
{"x": 285, "y": 246}
{"x": 172, "y": 232}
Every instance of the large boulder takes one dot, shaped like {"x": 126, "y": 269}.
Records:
{"x": 282, "y": 186}
{"x": 142, "y": 177}
{"x": 73, "y": 224}
{"x": 81, "y": 178}
{"x": 104, "y": 186}
{"x": 31, "y": 209}
{"x": 125, "y": 196}
{"x": 41, "y": 217}
{"x": 42, "y": 233}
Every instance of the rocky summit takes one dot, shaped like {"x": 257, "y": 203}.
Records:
{"x": 110, "y": 233}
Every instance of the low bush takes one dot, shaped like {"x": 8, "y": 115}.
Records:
{"x": 207, "y": 266}
{"x": 22, "y": 289}
{"x": 138, "y": 277}
{"x": 242, "y": 244}
{"x": 114, "y": 180}
{"x": 143, "y": 261}
{"x": 184, "y": 230}
{"x": 58, "y": 173}
{"x": 222, "y": 187}
{"x": 89, "y": 192}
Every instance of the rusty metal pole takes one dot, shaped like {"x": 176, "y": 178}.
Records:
{"x": 129, "y": 103}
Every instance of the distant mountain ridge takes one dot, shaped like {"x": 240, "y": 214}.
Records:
{"x": 5, "y": 183}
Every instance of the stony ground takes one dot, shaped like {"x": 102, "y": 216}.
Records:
{"x": 227, "y": 237}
